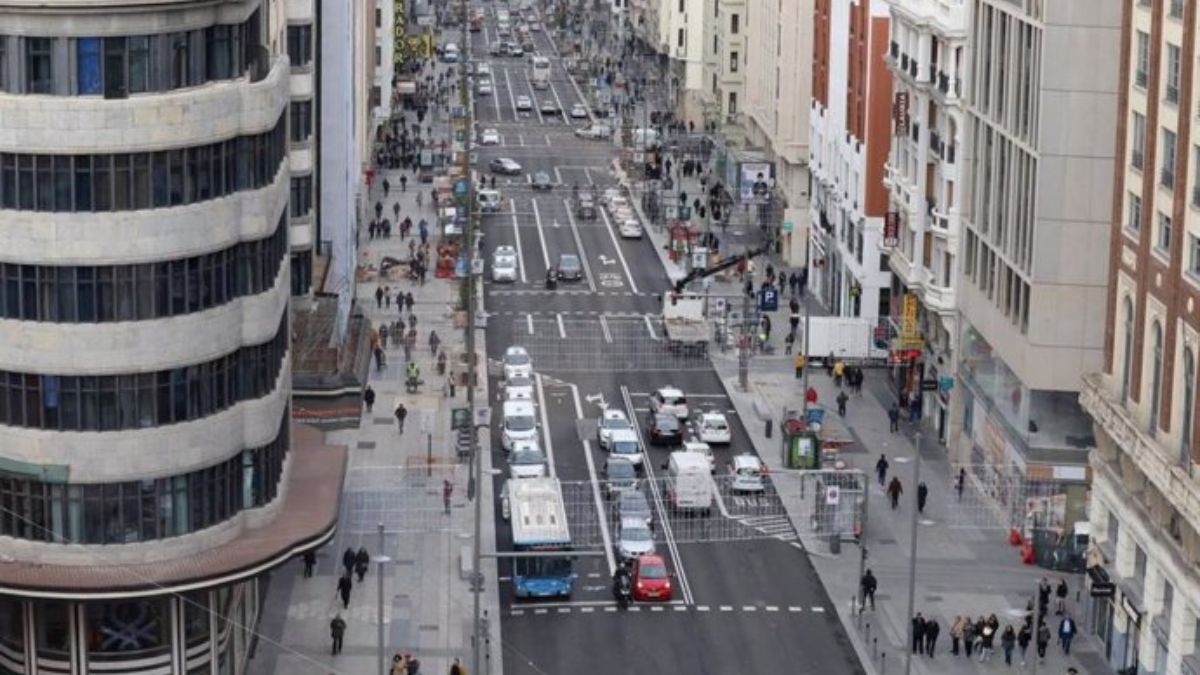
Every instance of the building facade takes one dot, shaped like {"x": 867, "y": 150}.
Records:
{"x": 149, "y": 470}
{"x": 1040, "y": 113}
{"x": 1145, "y": 506}
{"x": 724, "y": 65}
{"x": 302, "y": 141}
{"x": 778, "y": 102}
{"x": 849, "y": 134}
{"x": 926, "y": 57}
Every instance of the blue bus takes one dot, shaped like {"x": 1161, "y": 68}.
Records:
{"x": 539, "y": 523}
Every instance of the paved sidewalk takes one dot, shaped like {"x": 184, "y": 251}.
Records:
{"x": 394, "y": 479}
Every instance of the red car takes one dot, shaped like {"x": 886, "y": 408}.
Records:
{"x": 650, "y": 579}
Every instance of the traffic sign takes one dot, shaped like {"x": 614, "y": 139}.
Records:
{"x": 789, "y": 226}
{"x": 768, "y": 299}
{"x": 832, "y": 495}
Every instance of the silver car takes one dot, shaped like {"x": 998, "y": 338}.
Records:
{"x": 634, "y": 505}
{"x": 635, "y": 539}
{"x": 620, "y": 476}
{"x": 526, "y": 460}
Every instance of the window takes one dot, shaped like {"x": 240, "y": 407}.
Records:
{"x": 139, "y": 64}
{"x": 733, "y": 24}
{"x": 733, "y": 62}
{"x": 1167, "y": 174}
{"x": 1138, "y": 154}
{"x": 301, "y": 201}
{"x": 301, "y": 121}
{"x": 1171, "y": 91}
{"x": 88, "y": 69}
{"x": 299, "y": 44}
{"x": 114, "y": 67}
{"x": 219, "y": 62}
{"x": 180, "y": 59}
{"x": 1189, "y": 401}
{"x": 1112, "y": 532}
{"x": 682, "y": 6}
{"x": 1156, "y": 346}
{"x": 1139, "y": 567}
{"x": 716, "y": 44}
{"x": 1134, "y": 217}
{"x": 1163, "y": 241}
{"x": 1193, "y": 263}
{"x": 39, "y": 70}
{"x": 733, "y": 106}
{"x": 679, "y": 42}
{"x": 3, "y": 63}
{"x": 1142, "y": 74}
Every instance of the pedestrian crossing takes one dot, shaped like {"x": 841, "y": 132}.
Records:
{"x": 778, "y": 527}
{"x": 593, "y": 608}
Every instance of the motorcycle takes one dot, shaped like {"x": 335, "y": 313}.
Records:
{"x": 412, "y": 384}
{"x": 623, "y": 592}
{"x": 551, "y": 279}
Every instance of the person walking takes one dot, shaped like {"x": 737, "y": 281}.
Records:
{"x": 348, "y": 558}
{"x": 960, "y": 483}
{"x": 362, "y": 562}
{"x": 447, "y": 492}
{"x": 403, "y": 183}
{"x": 922, "y": 496}
{"x": 409, "y": 301}
{"x": 457, "y": 668}
{"x": 798, "y": 364}
{"x": 379, "y": 297}
{"x": 881, "y": 468}
{"x": 969, "y": 636}
{"x": 842, "y": 398}
{"x": 894, "y": 490}
{"x": 918, "y": 634}
{"x": 310, "y": 561}
{"x": 1043, "y": 640}
{"x": 401, "y": 412}
{"x": 337, "y": 630}
{"x": 894, "y": 418}
{"x": 931, "y": 635}
{"x": 434, "y": 341}
{"x": 387, "y": 187}
{"x": 956, "y": 634}
{"x": 344, "y": 586}
{"x": 1060, "y": 595}
{"x": 867, "y": 585}
{"x": 987, "y": 642}
{"x": 1024, "y": 636}
{"x": 1008, "y": 640}
{"x": 1043, "y": 597}
{"x": 1066, "y": 633}
{"x": 369, "y": 398}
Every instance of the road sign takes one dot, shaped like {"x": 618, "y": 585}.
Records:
{"x": 832, "y": 495}
{"x": 461, "y": 186}
{"x": 460, "y": 418}
{"x": 768, "y": 299}
{"x": 789, "y": 226}
{"x": 483, "y": 416}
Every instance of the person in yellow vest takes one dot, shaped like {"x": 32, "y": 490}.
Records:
{"x": 798, "y": 362}
{"x": 839, "y": 370}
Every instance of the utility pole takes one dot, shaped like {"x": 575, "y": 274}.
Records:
{"x": 862, "y": 540}
{"x": 383, "y": 559}
{"x": 747, "y": 339}
{"x": 912, "y": 557}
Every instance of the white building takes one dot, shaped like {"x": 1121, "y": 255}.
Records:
{"x": 724, "y": 69}
{"x": 303, "y": 142}
{"x": 849, "y": 134}
{"x": 926, "y": 59}
{"x": 151, "y": 472}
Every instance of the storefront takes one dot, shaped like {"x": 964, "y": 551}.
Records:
{"x": 1115, "y": 618}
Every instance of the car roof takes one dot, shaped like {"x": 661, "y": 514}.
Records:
{"x": 518, "y": 446}
{"x": 624, "y": 435}
{"x": 503, "y": 249}
{"x": 651, "y": 559}
{"x": 613, "y": 413}
{"x": 569, "y": 256}
{"x": 633, "y": 523}
{"x": 746, "y": 459}
{"x": 516, "y": 349}
{"x": 713, "y": 416}
{"x": 518, "y": 408}
{"x": 697, "y": 446}
{"x": 663, "y": 417}
{"x": 670, "y": 391}
{"x": 522, "y": 379}
{"x": 634, "y": 495}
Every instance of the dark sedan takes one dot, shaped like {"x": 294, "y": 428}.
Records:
{"x": 664, "y": 430}
{"x": 569, "y": 267}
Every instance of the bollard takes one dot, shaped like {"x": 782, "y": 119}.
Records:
{"x": 868, "y": 630}
{"x": 768, "y": 428}
{"x": 883, "y": 664}
{"x": 875, "y": 648}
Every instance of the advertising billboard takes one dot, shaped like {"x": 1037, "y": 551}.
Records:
{"x": 755, "y": 181}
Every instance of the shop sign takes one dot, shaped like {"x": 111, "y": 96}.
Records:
{"x": 891, "y": 228}
{"x": 900, "y": 113}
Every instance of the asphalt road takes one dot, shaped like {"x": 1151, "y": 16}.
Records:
{"x": 747, "y": 599}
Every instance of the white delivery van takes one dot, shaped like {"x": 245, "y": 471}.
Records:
{"x": 689, "y": 484}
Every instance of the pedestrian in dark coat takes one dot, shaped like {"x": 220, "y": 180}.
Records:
{"x": 348, "y": 558}
{"x": 894, "y": 418}
{"x": 868, "y": 584}
{"x": 931, "y": 635}
{"x": 1066, "y": 633}
{"x": 1043, "y": 640}
{"x": 362, "y": 562}
{"x": 922, "y": 495}
{"x": 894, "y": 490}
{"x": 369, "y": 397}
{"x": 1024, "y": 637}
{"x": 344, "y": 586}
{"x": 1060, "y": 594}
{"x": 379, "y": 297}
{"x": 1008, "y": 640}
{"x": 310, "y": 560}
{"x": 918, "y": 634}
{"x": 842, "y": 398}
{"x": 337, "y": 630}
{"x": 881, "y": 468}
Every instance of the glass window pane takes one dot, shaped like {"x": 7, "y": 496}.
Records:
{"x": 89, "y": 73}
{"x": 139, "y": 64}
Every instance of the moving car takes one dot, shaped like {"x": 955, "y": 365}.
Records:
{"x": 524, "y": 103}
{"x": 669, "y": 400}
{"x": 549, "y": 107}
{"x": 520, "y": 423}
{"x": 579, "y": 112}
{"x": 489, "y": 137}
{"x": 611, "y": 420}
{"x": 484, "y": 88}
{"x": 594, "y": 132}
{"x": 634, "y": 539}
{"x": 625, "y": 444}
{"x": 664, "y": 429}
{"x": 490, "y": 202}
{"x": 517, "y": 363}
{"x": 504, "y": 264}
{"x": 650, "y": 579}
{"x": 619, "y": 476}
{"x": 513, "y": 49}
{"x": 747, "y": 471}
{"x": 630, "y": 229}
{"x": 483, "y": 68}
{"x": 518, "y": 388}
{"x": 689, "y": 484}
{"x": 585, "y": 205}
{"x": 541, "y": 181}
{"x": 569, "y": 267}
{"x": 450, "y": 53}
{"x": 704, "y": 449}
{"x": 712, "y": 427}
{"x": 504, "y": 166}
{"x": 615, "y": 202}
{"x": 526, "y": 460}
{"x": 635, "y": 505}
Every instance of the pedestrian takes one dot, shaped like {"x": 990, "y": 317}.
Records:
{"x": 841, "y": 403}
{"x": 434, "y": 341}
{"x": 343, "y": 586}
{"x": 987, "y": 642}
{"x": 789, "y": 341}
{"x": 1008, "y": 640}
{"x": 810, "y": 396}
{"x": 348, "y": 560}
{"x": 457, "y": 668}
{"x": 409, "y": 301}
{"x": 894, "y": 490}
{"x": 378, "y": 210}
{"x": 386, "y": 187}
{"x": 956, "y": 634}
{"x": 1043, "y": 597}
{"x": 881, "y": 469}
{"x": 867, "y": 585}
{"x": 379, "y": 297}
{"x": 1043, "y": 640}
{"x": 931, "y": 635}
{"x": 310, "y": 560}
{"x": 1066, "y": 633}
{"x": 1060, "y": 594}
{"x": 918, "y": 634}
{"x": 1023, "y": 638}
{"x": 447, "y": 492}
{"x": 400, "y": 412}
{"x": 969, "y": 636}
{"x": 396, "y": 209}
{"x": 412, "y": 663}
{"x": 922, "y": 496}
{"x": 403, "y": 183}
{"x": 337, "y": 630}
{"x": 839, "y": 372}
{"x": 960, "y": 483}
{"x": 369, "y": 398}
{"x": 362, "y": 562}
{"x": 798, "y": 364}
{"x": 894, "y": 418}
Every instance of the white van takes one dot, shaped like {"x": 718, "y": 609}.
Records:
{"x": 489, "y": 201}
{"x": 689, "y": 483}
{"x": 450, "y": 53}
{"x": 520, "y": 423}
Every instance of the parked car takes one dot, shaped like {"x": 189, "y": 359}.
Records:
{"x": 489, "y": 137}
{"x": 504, "y": 264}
{"x": 549, "y": 107}
{"x": 630, "y": 229}
{"x": 579, "y": 112}
{"x": 517, "y": 363}
{"x": 541, "y": 181}
{"x": 524, "y": 103}
{"x": 518, "y": 388}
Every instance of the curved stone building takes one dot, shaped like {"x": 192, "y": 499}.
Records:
{"x": 149, "y": 472}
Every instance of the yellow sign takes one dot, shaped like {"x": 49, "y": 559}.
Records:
{"x": 910, "y": 332}
{"x": 400, "y": 43}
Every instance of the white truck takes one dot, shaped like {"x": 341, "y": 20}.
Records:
{"x": 844, "y": 337}
{"x": 684, "y": 323}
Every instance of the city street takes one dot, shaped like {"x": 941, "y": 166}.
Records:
{"x": 746, "y": 597}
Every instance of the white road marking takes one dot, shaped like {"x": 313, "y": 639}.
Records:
{"x": 540, "y": 611}
{"x": 512, "y": 100}
{"x": 617, "y": 245}
{"x": 726, "y": 608}
{"x": 749, "y": 608}
{"x": 818, "y": 610}
{"x": 557, "y": 176}
{"x": 561, "y": 110}
{"x": 518, "y": 612}
{"x": 701, "y": 608}
{"x": 771, "y": 608}
{"x": 604, "y": 329}
{"x": 529, "y": 320}
{"x": 548, "y": 442}
{"x": 537, "y": 218}
{"x": 668, "y": 532}
{"x": 795, "y": 609}
{"x": 601, "y": 513}
{"x": 564, "y": 610}
{"x": 520, "y": 253}
{"x": 496, "y": 100}
{"x": 587, "y": 610}
{"x": 562, "y": 329}
{"x": 587, "y": 267}
{"x": 547, "y": 137}
{"x": 657, "y": 608}
{"x": 537, "y": 106}
{"x": 634, "y": 608}
{"x": 689, "y": 395}
{"x": 587, "y": 173}
{"x": 650, "y": 327}
{"x": 610, "y": 609}
{"x": 682, "y": 608}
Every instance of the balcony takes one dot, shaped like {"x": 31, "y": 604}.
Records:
{"x": 937, "y": 298}
{"x": 904, "y": 62}
{"x": 912, "y": 69}
{"x": 1196, "y": 196}
{"x": 935, "y": 143}
{"x": 950, "y": 150}
{"x": 943, "y": 82}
